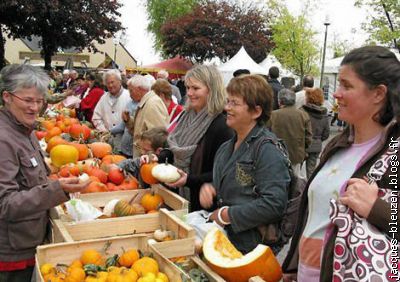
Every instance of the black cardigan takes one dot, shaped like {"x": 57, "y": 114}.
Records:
{"x": 203, "y": 158}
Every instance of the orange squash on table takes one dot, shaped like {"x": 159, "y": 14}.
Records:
{"x": 91, "y": 257}
{"x": 99, "y": 173}
{"x": 100, "y": 149}
{"x": 151, "y": 201}
{"x": 130, "y": 183}
{"x": 128, "y": 258}
{"x": 55, "y": 131}
{"x": 54, "y": 141}
{"x": 40, "y": 134}
{"x": 232, "y": 265}
{"x": 95, "y": 187}
{"x": 116, "y": 176}
{"x": 145, "y": 173}
{"x": 82, "y": 149}
{"x": 78, "y": 131}
{"x": 112, "y": 159}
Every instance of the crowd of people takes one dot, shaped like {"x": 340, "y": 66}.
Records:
{"x": 213, "y": 134}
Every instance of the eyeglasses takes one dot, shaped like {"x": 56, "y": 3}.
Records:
{"x": 233, "y": 103}
{"x": 29, "y": 101}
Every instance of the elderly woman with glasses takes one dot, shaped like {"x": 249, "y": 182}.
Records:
{"x": 251, "y": 174}
{"x": 26, "y": 193}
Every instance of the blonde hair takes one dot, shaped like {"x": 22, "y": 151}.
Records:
{"x": 212, "y": 79}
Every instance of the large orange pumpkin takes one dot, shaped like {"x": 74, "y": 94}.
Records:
{"x": 151, "y": 201}
{"x": 63, "y": 154}
{"x": 99, "y": 173}
{"x": 116, "y": 176}
{"x": 232, "y": 265}
{"x": 95, "y": 187}
{"x": 145, "y": 173}
{"x": 100, "y": 149}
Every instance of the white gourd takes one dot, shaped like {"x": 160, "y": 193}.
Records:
{"x": 165, "y": 173}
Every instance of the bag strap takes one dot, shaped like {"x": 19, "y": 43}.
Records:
{"x": 281, "y": 148}
{"x": 379, "y": 168}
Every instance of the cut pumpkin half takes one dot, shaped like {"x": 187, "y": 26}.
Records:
{"x": 222, "y": 257}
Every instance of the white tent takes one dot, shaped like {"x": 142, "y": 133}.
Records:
{"x": 272, "y": 61}
{"x": 241, "y": 60}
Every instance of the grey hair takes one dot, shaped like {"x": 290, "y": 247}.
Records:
{"x": 113, "y": 72}
{"x": 140, "y": 81}
{"x": 16, "y": 77}
{"x": 286, "y": 97}
{"x": 212, "y": 78}
{"x": 163, "y": 74}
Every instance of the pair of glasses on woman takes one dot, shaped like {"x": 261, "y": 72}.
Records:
{"x": 29, "y": 101}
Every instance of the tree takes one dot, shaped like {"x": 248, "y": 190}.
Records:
{"x": 295, "y": 45}
{"x": 63, "y": 23}
{"x": 340, "y": 47}
{"x": 384, "y": 23}
{"x": 13, "y": 16}
{"x": 217, "y": 29}
{"x": 161, "y": 11}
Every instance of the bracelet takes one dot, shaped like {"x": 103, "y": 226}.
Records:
{"x": 219, "y": 216}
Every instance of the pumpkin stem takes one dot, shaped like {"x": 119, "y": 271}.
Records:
{"x": 166, "y": 160}
{"x": 105, "y": 248}
{"x": 131, "y": 201}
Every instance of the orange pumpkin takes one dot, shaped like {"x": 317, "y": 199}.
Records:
{"x": 116, "y": 176}
{"x": 128, "y": 258}
{"x": 91, "y": 257}
{"x": 40, "y": 134}
{"x": 95, "y": 187}
{"x": 54, "y": 141}
{"x": 99, "y": 173}
{"x": 55, "y": 131}
{"x": 232, "y": 265}
{"x": 82, "y": 149}
{"x": 145, "y": 173}
{"x": 112, "y": 159}
{"x": 48, "y": 124}
{"x": 130, "y": 183}
{"x": 100, "y": 149}
{"x": 78, "y": 131}
{"x": 151, "y": 201}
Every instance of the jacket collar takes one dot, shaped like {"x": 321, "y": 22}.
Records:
{"x": 145, "y": 98}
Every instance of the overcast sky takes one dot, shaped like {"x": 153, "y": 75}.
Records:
{"x": 345, "y": 21}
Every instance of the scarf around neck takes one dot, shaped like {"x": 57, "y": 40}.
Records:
{"x": 184, "y": 139}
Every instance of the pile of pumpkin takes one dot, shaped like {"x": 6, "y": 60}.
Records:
{"x": 94, "y": 267}
{"x": 73, "y": 150}
{"x": 149, "y": 203}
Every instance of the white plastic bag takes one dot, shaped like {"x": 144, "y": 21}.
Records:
{"x": 82, "y": 211}
{"x": 199, "y": 221}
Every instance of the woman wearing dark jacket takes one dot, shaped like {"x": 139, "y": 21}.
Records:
{"x": 200, "y": 131}
{"x": 89, "y": 102}
{"x": 319, "y": 125}
{"x": 368, "y": 97}
{"x": 250, "y": 176}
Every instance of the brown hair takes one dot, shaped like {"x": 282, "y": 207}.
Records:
{"x": 162, "y": 86}
{"x": 255, "y": 91}
{"x": 314, "y": 96}
{"x": 157, "y": 137}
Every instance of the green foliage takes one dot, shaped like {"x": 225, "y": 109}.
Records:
{"x": 161, "y": 11}
{"x": 384, "y": 24}
{"x": 295, "y": 45}
{"x": 217, "y": 29}
{"x": 340, "y": 47}
{"x": 61, "y": 23}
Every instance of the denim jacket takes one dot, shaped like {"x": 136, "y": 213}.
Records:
{"x": 253, "y": 186}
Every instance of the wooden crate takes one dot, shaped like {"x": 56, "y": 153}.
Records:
{"x": 67, "y": 252}
{"x": 99, "y": 200}
{"x": 117, "y": 226}
{"x": 171, "y": 249}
